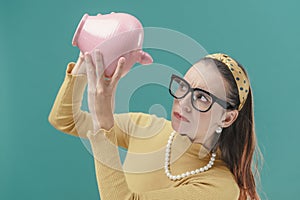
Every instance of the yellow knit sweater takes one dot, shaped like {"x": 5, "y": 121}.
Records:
{"x": 145, "y": 137}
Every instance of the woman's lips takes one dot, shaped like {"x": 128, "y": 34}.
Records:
{"x": 180, "y": 117}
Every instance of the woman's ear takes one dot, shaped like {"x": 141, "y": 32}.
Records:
{"x": 229, "y": 118}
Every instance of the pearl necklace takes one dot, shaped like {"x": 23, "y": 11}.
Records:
{"x": 188, "y": 173}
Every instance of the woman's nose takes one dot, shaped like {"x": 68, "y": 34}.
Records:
{"x": 185, "y": 103}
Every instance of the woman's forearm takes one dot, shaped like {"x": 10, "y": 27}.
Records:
{"x": 66, "y": 114}
{"x": 104, "y": 118}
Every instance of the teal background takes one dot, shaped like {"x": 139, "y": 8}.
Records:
{"x": 39, "y": 162}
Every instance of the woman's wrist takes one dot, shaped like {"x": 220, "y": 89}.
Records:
{"x": 104, "y": 123}
{"x": 104, "y": 114}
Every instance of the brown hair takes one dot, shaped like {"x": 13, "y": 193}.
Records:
{"x": 238, "y": 141}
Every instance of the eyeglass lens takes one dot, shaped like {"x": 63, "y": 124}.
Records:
{"x": 201, "y": 100}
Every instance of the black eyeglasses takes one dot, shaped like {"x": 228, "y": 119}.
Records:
{"x": 201, "y": 100}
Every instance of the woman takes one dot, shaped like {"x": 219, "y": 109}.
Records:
{"x": 204, "y": 152}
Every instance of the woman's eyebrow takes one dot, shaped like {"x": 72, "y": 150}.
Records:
{"x": 197, "y": 85}
{"x": 200, "y": 86}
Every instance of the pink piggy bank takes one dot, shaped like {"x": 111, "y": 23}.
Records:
{"x": 115, "y": 35}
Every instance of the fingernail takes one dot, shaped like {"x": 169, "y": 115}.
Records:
{"x": 87, "y": 56}
{"x": 122, "y": 60}
{"x": 97, "y": 50}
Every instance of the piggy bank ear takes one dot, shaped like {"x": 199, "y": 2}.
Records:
{"x": 145, "y": 58}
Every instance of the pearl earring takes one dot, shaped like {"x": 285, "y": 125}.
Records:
{"x": 219, "y": 130}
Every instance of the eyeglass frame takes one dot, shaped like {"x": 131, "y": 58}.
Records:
{"x": 221, "y": 102}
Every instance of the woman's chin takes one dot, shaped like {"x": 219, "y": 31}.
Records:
{"x": 178, "y": 127}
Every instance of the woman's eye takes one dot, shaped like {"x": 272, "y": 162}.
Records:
{"x": 182, "y": 87}
{"x": 201, "y": 98}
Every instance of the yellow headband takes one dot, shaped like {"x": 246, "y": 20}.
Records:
{"x": 240, "y": 77}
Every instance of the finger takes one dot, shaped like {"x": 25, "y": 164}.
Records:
{"x": 91, "y": 74}
{"x": 81, "y": 57}
{"x": 117, "y": 75}
{"x": 81, "y": 54}
{"x": 99, "y": 64}
{"x": 79, "y": 61}
{"x": 91, "y": 83}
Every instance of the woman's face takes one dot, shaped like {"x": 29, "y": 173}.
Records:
{"x": 200, "y": 126}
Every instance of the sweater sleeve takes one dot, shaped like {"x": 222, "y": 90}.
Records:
{"x": 112, "y": 183}
{"x": 66, "y": 114}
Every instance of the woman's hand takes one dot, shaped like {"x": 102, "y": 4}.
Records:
{"x": 80, "y": 66}
{"x": 101, "y": 90}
